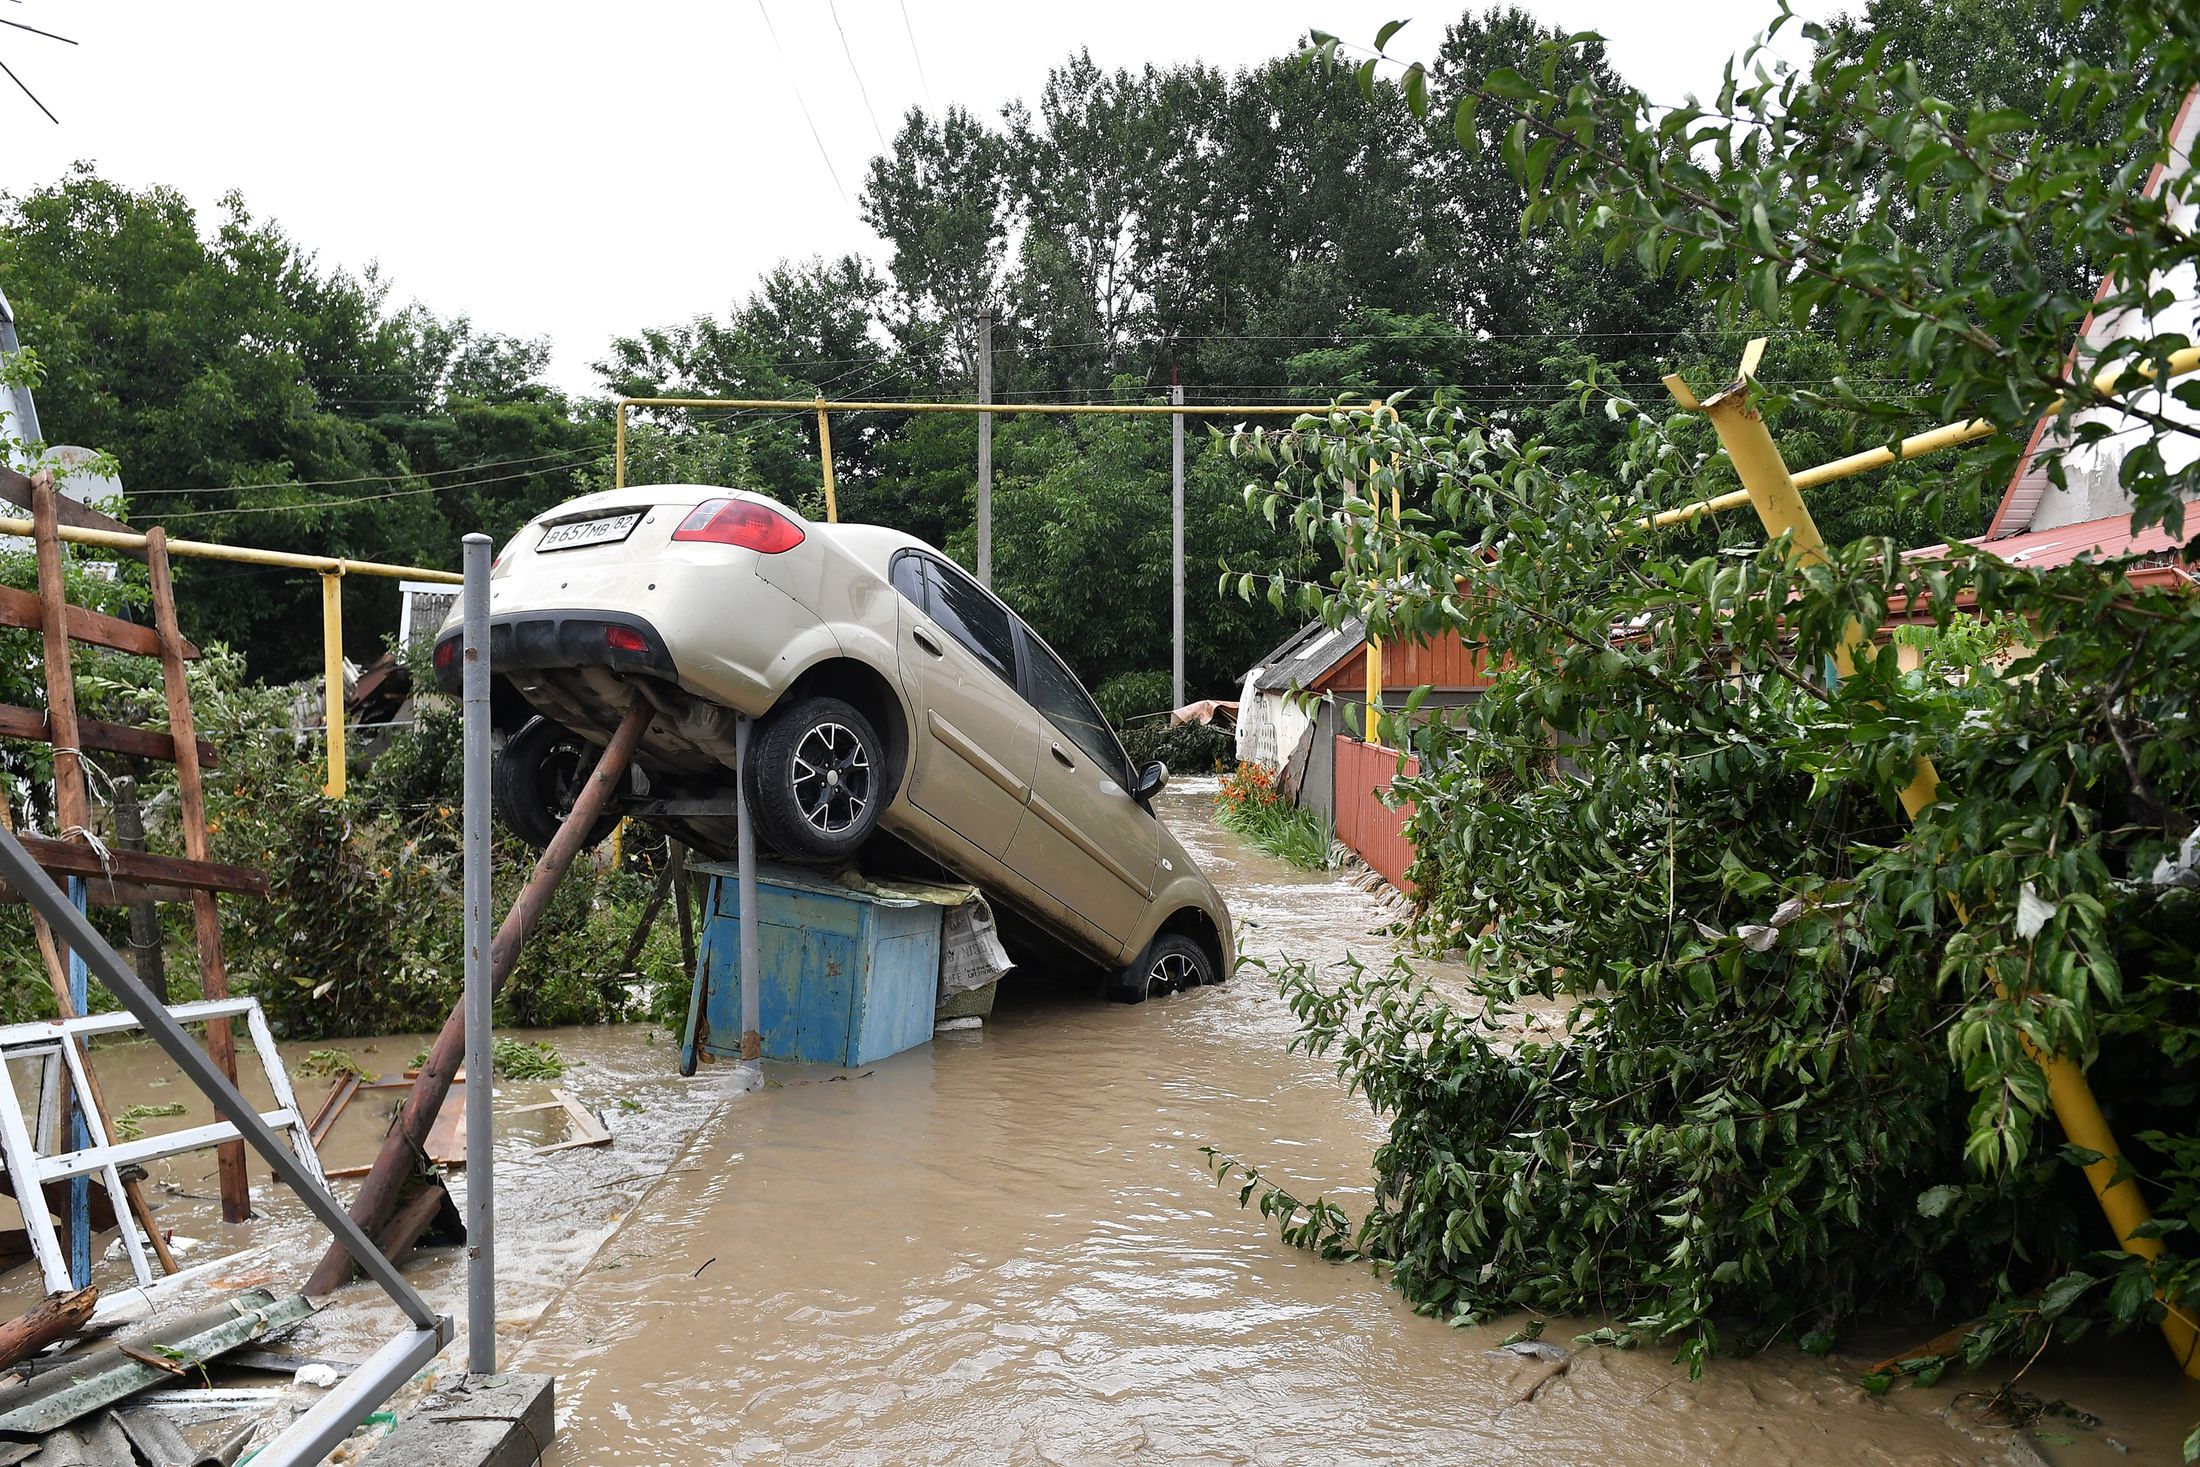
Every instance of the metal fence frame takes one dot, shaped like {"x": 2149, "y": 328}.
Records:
{"x": 310, "y": 1437}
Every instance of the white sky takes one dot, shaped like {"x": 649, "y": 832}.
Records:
{"x": 580, "y": 172}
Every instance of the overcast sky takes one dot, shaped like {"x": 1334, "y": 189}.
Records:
{"x": 578, "y": 172}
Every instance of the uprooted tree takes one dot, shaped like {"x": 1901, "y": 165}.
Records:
{"x": 1800, "y": 1081}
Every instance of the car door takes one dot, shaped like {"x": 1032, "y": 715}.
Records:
{"x": 976, "y": 742}
{"x": 1084, "y": 840}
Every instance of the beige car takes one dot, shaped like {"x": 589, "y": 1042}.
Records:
{"x": 901, "y": 711}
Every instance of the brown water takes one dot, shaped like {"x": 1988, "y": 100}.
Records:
{"x": 1006, "y": 1248}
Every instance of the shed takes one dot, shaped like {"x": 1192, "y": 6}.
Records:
{"x": 1284, "y": 730}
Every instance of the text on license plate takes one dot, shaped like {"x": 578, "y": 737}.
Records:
{"x": 589, "y": 532}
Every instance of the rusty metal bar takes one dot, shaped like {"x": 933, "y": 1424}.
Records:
{"x": 402, "y": 1155}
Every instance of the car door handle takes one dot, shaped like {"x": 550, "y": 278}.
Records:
{"x": 1061, "y": 758}
{"x": 924, "y": 639}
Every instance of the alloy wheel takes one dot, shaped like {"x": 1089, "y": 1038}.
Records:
{"x": 832, "y": 778}
{"x": 1171, "y": 972}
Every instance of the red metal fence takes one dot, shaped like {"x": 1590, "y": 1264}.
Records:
{"x": 1375, "y": 831}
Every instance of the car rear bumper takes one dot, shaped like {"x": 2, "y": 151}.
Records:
{"x": 559, "y": 639}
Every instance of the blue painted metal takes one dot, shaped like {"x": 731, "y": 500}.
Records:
{"x": 845, "y": 978}
{"x": 80, "y": 1188}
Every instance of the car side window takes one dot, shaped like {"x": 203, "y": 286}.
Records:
{"x": 972, "y": 617}
{"x": 1056, "y": 693}
{"x": 908, "y": 577}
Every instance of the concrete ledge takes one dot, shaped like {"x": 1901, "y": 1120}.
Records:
{"x": 475, "y": 1421}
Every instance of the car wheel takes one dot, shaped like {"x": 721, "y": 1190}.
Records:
{"x": 817, "y": 780}
{"x": 537, "y": 776}
{"x": 1170, "y": 964}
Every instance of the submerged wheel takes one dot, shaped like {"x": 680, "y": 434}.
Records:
{"x": 817, "y": 780}
{"x": 1170, "y": 964}
{"x": 537, "y": 776}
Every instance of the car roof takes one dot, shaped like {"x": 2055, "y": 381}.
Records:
{"x": 873, "y": 545}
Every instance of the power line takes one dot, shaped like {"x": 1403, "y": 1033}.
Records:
{"x": 916, "y": 55}
{"x": 574, "y": 455}
{"x": 861, "y": 90}
{"x": 314, "y": 504}
{"x": 796, "y": 88}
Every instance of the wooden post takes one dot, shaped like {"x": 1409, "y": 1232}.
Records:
{"x": 145, "y": 937}
{"x": 402, "y": 1156}
{"x": 71, "y": 790}
{"x": 206, "y": 927}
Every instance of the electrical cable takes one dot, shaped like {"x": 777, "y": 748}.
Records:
{"x": 575, "y": 455}
{"x": 914, "y": 54}
{"x": 795, "y": 87}
{"x": 861, "y": 90}
{"x": 314, "y": 504}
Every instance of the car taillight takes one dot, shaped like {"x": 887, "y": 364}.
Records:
{"x": 741, "y": 522}
{"x": 624, "y": 639}
{"x": 445, "y": 652}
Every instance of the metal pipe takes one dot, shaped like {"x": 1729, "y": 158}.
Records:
{"x": 481, "y": 1263}
{"x": 618, "y": 445}
{"x": 32, "y": 883}
{"x": 241, "y": 554}
{"x": 337, "y": 1414}
{"x": 1176, "y": 547}
{"x": 1041, "y": 409}
{"x": 1771, "y": 489}
{"x": 1948, "y": 435}
{"x": 985, "y": 451}
{"x": 752, "y": 1024}
{"x": 401, "y": 1149}
{"x": 332, "y": 677}
{"x": 825, "y": 455}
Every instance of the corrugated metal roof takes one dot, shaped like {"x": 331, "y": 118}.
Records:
{"x": 2102, "y": 539}
{"x": 1308, "y": 653}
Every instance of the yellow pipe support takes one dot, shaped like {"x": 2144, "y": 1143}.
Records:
{"x": 1047, "y": 409}
{"x": 1917, "y": 445}
{"x": 244, "y": 554}
{"x": 618, "y": 446}
{"x": 825, "y": 455}
{"x": 1768, "y": 485}
{"x": 332, "y": 674}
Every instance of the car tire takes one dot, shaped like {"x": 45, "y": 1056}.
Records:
{"x": 817, "y": 780}
{"x": 1171, "y": 963}
{"x": 537, "y": 775}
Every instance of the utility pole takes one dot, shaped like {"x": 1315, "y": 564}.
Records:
{"x": 985, "y": 452}
{"x": 1176, "y": 540}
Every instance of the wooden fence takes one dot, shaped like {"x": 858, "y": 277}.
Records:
{"x": 1372, "y": 829}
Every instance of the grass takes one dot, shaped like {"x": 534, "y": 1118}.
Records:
{"x": 1297, "y": 837}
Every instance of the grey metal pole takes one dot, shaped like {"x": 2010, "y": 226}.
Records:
{"x": 985, "y": 452}
{"x": 1176, "y": 545}
{"x": 752, "y": 1025}
{"x": 481, "y": 1258}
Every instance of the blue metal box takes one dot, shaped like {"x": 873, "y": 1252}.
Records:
{"x": 845, "y": 977}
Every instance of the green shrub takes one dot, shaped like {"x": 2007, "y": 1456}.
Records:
{"x": 1250, "y": 805}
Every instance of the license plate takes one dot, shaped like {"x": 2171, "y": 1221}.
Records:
{"x": 589, "y": 532}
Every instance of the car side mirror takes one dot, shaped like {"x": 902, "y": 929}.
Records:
{"x": 1152, "y": 780}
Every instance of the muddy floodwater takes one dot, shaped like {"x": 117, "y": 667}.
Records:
{"x": 1005, "y": 1247}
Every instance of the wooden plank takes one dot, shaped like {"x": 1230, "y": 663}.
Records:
{"x": 206, "y": 926}
{"x": 22, "y": 609}
{"x": 446, "y": 1144}
{"x": 587, "y": 1130}
{"x": 17, "y": 489}
{"x": 74, "y": 858}
{"x": 108, "y": 738}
